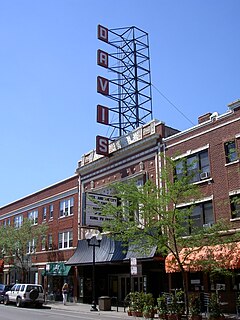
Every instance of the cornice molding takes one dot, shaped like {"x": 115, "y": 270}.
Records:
{"x": 118, "y": 156}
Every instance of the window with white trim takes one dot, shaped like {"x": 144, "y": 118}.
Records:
{"x": 235, "y": 206}
{"x": 51, "y": 211}
{"x": 65, "y": 240}
{"x": 197, "y": 166}
{"x": 44, "y": 214}
{"x": 18, "y": 221}
{"x": 31, "y": 246}
{"x": 66, "y": 207}
{"x": 43, "y": 241}
{"x": 33, "y": 215}
{"x": 50, "y": 242}
{"x": 200, "y": 216}
{"x": 230, "y": 151}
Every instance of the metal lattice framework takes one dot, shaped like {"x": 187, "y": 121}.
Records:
{"x": 132, "y": 85}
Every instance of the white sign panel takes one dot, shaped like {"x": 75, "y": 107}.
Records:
{"x": 134, "y": 270}
{"x": 133, "y": 261}
{"x": 94, "y": 202}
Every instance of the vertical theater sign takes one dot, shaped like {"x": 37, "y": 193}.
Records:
{"x": 129, "y": 87}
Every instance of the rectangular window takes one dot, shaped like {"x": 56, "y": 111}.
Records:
{"x": 65, "y": 240}
{"x": 33, "y": 215}
{"x": 44, "y": 214}
{"x": 196, "y": 166}
{"x": 201, "y": 216}
{"x": 230, "y": 151}
{"x": 31, "y": 246}
{"x": 18, "y": 220}
{"x": 235, "y": 206}
{"x": 50, "y": 242}
{"x": 51, "y": 211}
{"x": 66, "y": 207}
{"x": 43, "y": 243}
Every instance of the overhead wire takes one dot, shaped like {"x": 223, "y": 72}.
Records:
{"x": 172, "y": 104}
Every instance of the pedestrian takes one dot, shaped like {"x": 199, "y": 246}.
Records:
{"x": 64, "y": 293}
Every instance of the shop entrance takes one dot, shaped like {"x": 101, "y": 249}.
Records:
{"x": 120, "y": 285}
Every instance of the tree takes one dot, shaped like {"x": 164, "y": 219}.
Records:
{"x": 150, "y": 216}
{"x": 18, "y": 244}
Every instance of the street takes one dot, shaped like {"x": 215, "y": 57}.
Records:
{"x": 11, "y": 312}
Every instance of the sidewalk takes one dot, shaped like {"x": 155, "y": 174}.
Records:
{"x": 82, "y": 307}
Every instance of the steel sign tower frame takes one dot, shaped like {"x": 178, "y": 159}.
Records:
{"x": 130, "y": 89}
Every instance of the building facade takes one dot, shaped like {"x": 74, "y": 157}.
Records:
{"x": 66, "y": 207}
{"x": 214, "y": 148}
{"x": 57, "y": 207}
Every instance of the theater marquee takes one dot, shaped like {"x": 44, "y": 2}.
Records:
{"x": 93, "y": 202}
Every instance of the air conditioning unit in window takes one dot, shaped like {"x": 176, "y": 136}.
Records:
{"x": 207, "y": 225}
{"x": 204, "y": 175}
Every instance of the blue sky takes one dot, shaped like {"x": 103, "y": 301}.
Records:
{"x": 48, "y": 76}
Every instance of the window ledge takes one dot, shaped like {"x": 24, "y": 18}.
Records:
{"x": 233, "y": 162}
{"x": 203, "y": 181}
{"x": 62, "y": 217}
{"x": 235, "y": 219}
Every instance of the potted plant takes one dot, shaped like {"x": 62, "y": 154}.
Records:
{"x": 195, "y": 307}
{"x": 214, "y": 308}
{"x": 136, "y": 303}
{"x": 128, "y": 303}
{"x": 148, "y": 308}
{"x": 175, "y": 306}
{"x": 162, "y": 307}
{"x": 148, "y": 311}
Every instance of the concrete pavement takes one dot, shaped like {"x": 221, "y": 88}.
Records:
{"x": 117, "y": 311}
{"x": 82, "y": 307}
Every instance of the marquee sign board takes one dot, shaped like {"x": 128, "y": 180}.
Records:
{"x": 93, "y": 203}
{"x": 130, "y": 87}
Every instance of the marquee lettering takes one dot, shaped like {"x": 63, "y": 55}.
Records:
{"x": 102, "y": 114}
{"x": 102, "y": 33}
{"x": 102, "y": 85}
{"x": 102, "y": 145}
{"x": 102, "y": 58}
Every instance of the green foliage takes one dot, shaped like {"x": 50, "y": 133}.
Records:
{"x": 153, "y": 217}
{"x": 195, "y": 305}
{"x": 15, "y": 244}
{"x": 162, "y": 305}
{"x": 214, "y": 307}
{"x": 176, "y": 303}
{"x": 138, "y": 301}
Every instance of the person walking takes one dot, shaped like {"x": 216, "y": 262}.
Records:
{"x": 64, "y": 293}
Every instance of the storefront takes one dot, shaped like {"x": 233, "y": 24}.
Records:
{"x": 55, "y": 275}
{"x": 113, "y": 276}
{"x": 201, "y": 266}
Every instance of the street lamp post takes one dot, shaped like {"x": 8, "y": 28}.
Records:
{"x": 94, "y": 239}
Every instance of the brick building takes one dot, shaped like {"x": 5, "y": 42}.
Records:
{"x": 214, "y": 144}
{"x": 56, "y": 206}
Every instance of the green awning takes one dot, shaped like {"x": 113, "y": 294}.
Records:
{"x": 56, "y": 269}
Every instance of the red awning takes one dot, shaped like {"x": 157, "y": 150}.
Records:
{"x": 1, "y": 265}
{"x": 226, "y": 256}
